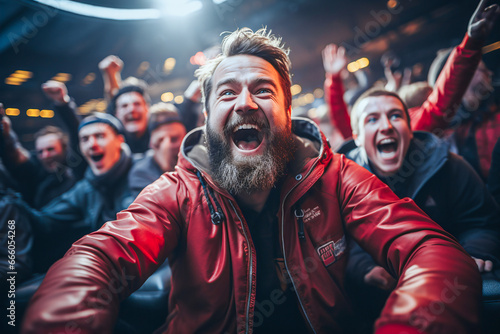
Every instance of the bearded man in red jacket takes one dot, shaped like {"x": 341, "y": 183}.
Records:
{"x": 254, "y": 222}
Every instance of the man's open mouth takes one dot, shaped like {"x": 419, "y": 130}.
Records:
{"x": 387, "y": 146}
{"x": 96, "y": 157}
{"x": 247, "y": 137}
{"x": 132, "y": 118}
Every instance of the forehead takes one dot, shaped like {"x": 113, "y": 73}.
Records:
{"x": 168, "y": 129}
{"x": 382, "y": 103}
{"x": 94, "y": 128}
{"x": 129, "y": 97}
{"x": 244, "y": 68}
{"x": 50, "y": 139}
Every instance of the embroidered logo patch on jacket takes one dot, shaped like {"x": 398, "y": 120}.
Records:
{"x": 330, "y": 251}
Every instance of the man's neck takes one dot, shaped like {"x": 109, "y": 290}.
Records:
{"x": 255, "y": 200}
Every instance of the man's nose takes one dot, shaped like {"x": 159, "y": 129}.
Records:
{"x": 92, "y": 141}
{"x": 244, "y": 102}
{"x": 385, "y": 124}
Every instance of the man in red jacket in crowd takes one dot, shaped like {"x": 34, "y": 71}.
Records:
{"x": 254, "y": 222}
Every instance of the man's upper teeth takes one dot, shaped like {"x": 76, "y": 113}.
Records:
{"x": 387, "y": 141}
{"x": 246, "y": 127}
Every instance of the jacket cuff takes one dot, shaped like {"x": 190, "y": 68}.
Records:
{"x": 397, "y": 329}
{"x": 470, "y": 43}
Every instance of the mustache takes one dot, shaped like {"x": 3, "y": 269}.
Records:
{"x": 261, "y": 123}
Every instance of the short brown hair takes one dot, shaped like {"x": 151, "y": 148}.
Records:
{"x": 49, "y": 130}
{"x": 369, "y": 93}
{"x": 415, "y": 94}
{"x": 244, "y": 41}
{"x": 163, "y": 113}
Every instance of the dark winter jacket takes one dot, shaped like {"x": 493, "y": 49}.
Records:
{"x": 446, "y": 188}
{"x": 143, "y": 173}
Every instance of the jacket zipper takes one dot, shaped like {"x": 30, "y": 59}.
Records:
{"x": 283, "y": 241}
{"x": 247, "y": 315}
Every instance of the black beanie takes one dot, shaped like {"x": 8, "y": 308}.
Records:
{"x": 99, "y": 117}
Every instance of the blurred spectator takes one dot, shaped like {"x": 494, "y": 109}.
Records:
{"x": 93, "y": 200}
{"x": 44, "y": 175}
{"x": 131, "y": 106}
{"x": 167, "y": 132}
{"x": 129, "y": 102}
{"x": 16, "y": 237}
{"x": 65, "y": 108}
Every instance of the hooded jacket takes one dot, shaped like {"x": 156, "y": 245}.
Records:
{"x": 213, "y": 261}
{"x": 445, "y": 187}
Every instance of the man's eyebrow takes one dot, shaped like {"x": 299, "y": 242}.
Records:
{"x": 228, "y": 81}
{"x": 261, "y": 81}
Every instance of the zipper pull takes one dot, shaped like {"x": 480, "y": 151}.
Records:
{"x": 299, "y": 214}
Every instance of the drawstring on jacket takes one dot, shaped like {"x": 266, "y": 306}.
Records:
{"x": 217, "y": 217}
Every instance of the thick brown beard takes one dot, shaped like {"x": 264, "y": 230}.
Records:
{"x": 253, "y": 173}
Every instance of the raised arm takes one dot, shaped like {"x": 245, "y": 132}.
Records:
{"x": 111, "y": 68}
{"x": 440, "y": 107}
{"x": 65, "y": 108}
{"x": 334, "y": 62}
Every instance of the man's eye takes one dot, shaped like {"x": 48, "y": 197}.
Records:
{"x": 263, "y": 91}
{"x": 396, "y": 116}
{"x": 100, "y": 136}
{"x": 371, "y": 119}
{"x": 227, "y": 93}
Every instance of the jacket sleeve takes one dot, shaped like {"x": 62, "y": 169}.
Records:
{"x": 439, "y": 286}
{"x": 83, "y": 290}
{"x": 334, "y": 97}
{"x": 62, "y": 213}
{"x": 440, "y": 107}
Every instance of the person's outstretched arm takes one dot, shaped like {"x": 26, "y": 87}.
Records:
{"x": 441, "y": 105}
{"x": 83, "y": 290}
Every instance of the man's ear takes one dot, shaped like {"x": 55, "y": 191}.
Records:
{"x": 121, "y": 138}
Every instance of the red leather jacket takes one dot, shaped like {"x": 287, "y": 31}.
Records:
{"x": 441, "y": 105}
{"x": 214, "y": 266}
